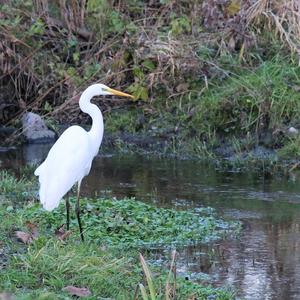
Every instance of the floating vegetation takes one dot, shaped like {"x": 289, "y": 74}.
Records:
{"x": 131, "y": 223}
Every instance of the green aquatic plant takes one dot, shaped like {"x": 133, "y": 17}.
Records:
{"x": 131, "y": 223}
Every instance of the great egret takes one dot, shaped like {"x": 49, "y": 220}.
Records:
{"x": 70, "y": 158}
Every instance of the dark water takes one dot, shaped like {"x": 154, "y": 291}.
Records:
{"x": 263, "y": 264}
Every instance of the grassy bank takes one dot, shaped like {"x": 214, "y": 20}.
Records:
{"x": 41, "y": 260}
{"x": 209, "y": 79}
{"x": 252, "y": 107}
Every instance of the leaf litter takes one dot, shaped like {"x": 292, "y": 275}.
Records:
{"x": 29, "y": 236}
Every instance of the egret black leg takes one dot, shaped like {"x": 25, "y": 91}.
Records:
{"x": 68, "y": 212}
{"x": 78, "y": 211}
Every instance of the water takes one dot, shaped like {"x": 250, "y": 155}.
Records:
{"x": 263, "y": 264}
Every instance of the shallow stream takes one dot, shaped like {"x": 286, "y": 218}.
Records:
{"x": 263, "y": 264}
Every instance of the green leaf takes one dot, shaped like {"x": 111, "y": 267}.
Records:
{"x": 180, "y": 25}
{"x": 38, "y": 27}
{"x": 76, "y": 56}
{"x": 117, "y": 25}
{"x": 233, "y": 7}
{"x": 149, "y": 64}
{"x": 138, "y": 72}
{"x": 139, "y": 91}
{"x": 143, "y": 291}
{"x": 148, "y": 277}
{"x": 47, "y": 107}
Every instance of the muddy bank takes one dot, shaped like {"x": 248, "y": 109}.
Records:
{"x": 163, "y": 145}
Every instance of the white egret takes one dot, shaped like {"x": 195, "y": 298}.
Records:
{"x": 70, "y": 158}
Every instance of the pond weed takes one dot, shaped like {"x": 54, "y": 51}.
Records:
{"x": 131, "y": 223}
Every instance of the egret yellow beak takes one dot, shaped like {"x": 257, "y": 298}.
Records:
{"x": 117, "y": 93}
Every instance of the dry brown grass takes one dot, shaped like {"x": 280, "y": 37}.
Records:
{"x": 242, "y": 23}
{"x": 25, "y": 61}
{"x": 279, "y": 17}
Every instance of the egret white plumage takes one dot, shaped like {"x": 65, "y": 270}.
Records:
{"x": 70, "y": 158}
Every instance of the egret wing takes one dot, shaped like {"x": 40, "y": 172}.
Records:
{"x": 68, "y": 161}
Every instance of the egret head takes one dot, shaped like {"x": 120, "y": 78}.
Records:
{"x": 105, "y": 90}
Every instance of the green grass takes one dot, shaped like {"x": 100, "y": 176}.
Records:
{"x": 107, "y": 263}
{"x": 249, "y": 106}
{"x": 16, "y": 189}
{"x": 47, "y": 266}
{"x": 251, "y": 100}
{"x": 291, "y": 149}
{"x": 50, "y": 265}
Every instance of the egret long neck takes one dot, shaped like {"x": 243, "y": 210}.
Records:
{"x": 96, "y": 131}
